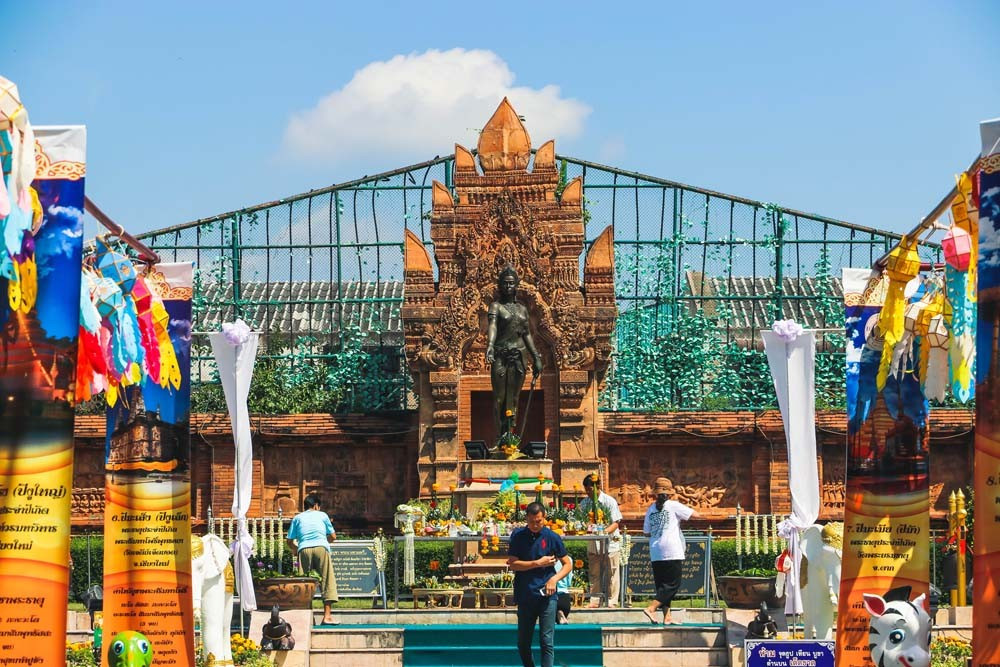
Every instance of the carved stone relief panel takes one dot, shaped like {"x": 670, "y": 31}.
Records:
{"x": 704, "y": 478}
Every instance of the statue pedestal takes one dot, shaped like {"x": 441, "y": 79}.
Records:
{"x": 481, "y": 480}
{"x": 501, "y": 469}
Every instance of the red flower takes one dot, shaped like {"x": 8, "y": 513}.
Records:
{"x": 571, "y": 506}
{"x": 433, "y": 504}
{"x": 552, "y": 503}
{"x": 524, "y": 507}
{"x": 434, "y": 565}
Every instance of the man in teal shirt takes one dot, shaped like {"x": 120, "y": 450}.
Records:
{"x": 308, "y": 537}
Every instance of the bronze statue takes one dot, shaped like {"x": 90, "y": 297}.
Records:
{"x": 508, "y": 335}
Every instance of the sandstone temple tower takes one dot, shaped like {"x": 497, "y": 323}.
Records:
{"x": 501, "y": 213}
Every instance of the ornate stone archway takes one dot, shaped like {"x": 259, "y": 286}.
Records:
{"x": 503, "y": 214}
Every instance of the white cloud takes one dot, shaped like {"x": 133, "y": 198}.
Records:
{"x": 417, "y": 106}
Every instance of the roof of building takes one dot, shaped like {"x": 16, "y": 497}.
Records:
{"x": 751, "y": 310}
{"x": 305, "y": 308}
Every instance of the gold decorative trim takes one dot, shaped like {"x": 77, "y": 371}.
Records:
{"x": 46, "y": 169}
{"x": 990, "y": 164}
{"x": 157, "y": 282}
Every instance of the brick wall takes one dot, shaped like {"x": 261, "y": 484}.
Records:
{"x": 364, "y": 465}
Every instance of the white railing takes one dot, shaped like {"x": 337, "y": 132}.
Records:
{"x": 268, "y": 533}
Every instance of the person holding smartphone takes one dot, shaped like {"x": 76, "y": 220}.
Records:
{"x": 534, "y": 552}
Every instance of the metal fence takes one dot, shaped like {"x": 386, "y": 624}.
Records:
{"x": 699, "y": 273}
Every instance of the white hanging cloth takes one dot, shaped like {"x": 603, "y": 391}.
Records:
{"x": 791, "y": 356}
{"x": 235, "y": 351}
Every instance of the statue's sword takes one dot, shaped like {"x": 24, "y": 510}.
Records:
{"x": 527, "y": 407}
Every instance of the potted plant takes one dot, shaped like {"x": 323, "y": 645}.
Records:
{"x": 495, "y": 590}
{"x": 273, "y": 587}
{"x": 436, "y": 593}
{"x": 746, "y": 589}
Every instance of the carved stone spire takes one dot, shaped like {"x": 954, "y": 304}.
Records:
{"x": 504, "y": 144}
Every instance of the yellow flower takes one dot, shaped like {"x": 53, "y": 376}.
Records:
{"x": 509, "y": 413}
{"x": 578, "y": 563}
{"x": 434, "y": 486}
{"x": 538, "y": 487}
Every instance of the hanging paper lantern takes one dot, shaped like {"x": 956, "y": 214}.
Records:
{"x": 143, "y": 298}
{"x": 116, "y": 266}
{"x": 902, "y": 266}
{"x": 937, "y": 332}
{"x": 957, "y": 247}
{"x": 936, "y": 374}
{"x": 903, "y": 349}
{"x": 108, "y": 298}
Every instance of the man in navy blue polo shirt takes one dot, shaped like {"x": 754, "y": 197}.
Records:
{"x": 534, "y": 552}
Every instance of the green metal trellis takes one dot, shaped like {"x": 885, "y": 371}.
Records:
{"x": 699, "y": 273}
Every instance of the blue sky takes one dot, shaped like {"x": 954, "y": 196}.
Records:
{"x": 859, "y": 111}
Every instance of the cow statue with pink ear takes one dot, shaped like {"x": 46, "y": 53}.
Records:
{"x": 900, "y": 633}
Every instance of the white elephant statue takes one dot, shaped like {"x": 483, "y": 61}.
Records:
{"x": 212, "y": 583}
{"x": 819, "y": 577}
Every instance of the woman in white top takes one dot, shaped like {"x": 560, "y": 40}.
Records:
{"x": 666, "y": 547}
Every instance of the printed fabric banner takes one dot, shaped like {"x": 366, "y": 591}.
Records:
{"x": 147, "y": 516}
{"x": 886, "y": 518}
{"x": 986, "y": 533}
{"x": 39, "y": 310}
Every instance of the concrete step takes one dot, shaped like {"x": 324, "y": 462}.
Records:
{"x": 614, "y": 637}
{"x": 404, "y": 616}
{"x": 366, "y": 657}
{"x": 672, "y": 657}
{"x": 346, "y": 637}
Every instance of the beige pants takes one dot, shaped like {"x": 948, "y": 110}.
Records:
{"x": 317, "y": 559}
{"x": 603, "y": 570}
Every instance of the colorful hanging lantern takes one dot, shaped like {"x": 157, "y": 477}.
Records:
{"x": 902, "y": 266}
{"x": 143, "y": 298}
{"x": 116, "y": 266}
{"x": 957, "y": 247}
{"x": 935, "y": 377}
{"x": 901, "y": 354}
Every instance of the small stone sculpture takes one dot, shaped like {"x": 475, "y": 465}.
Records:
{"x": 762, "y": 626}
{"x": 276, "y": 635}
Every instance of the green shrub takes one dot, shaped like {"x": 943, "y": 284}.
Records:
{"x": 725, "y": 560}
{"x": 753, "y": 572}
{"x": 78, "y": 549}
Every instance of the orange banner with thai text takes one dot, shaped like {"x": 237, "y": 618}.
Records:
{"x": 40, "y": 256}
{"x": 886, "y": 518}
{"x": 147, "y": 516}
